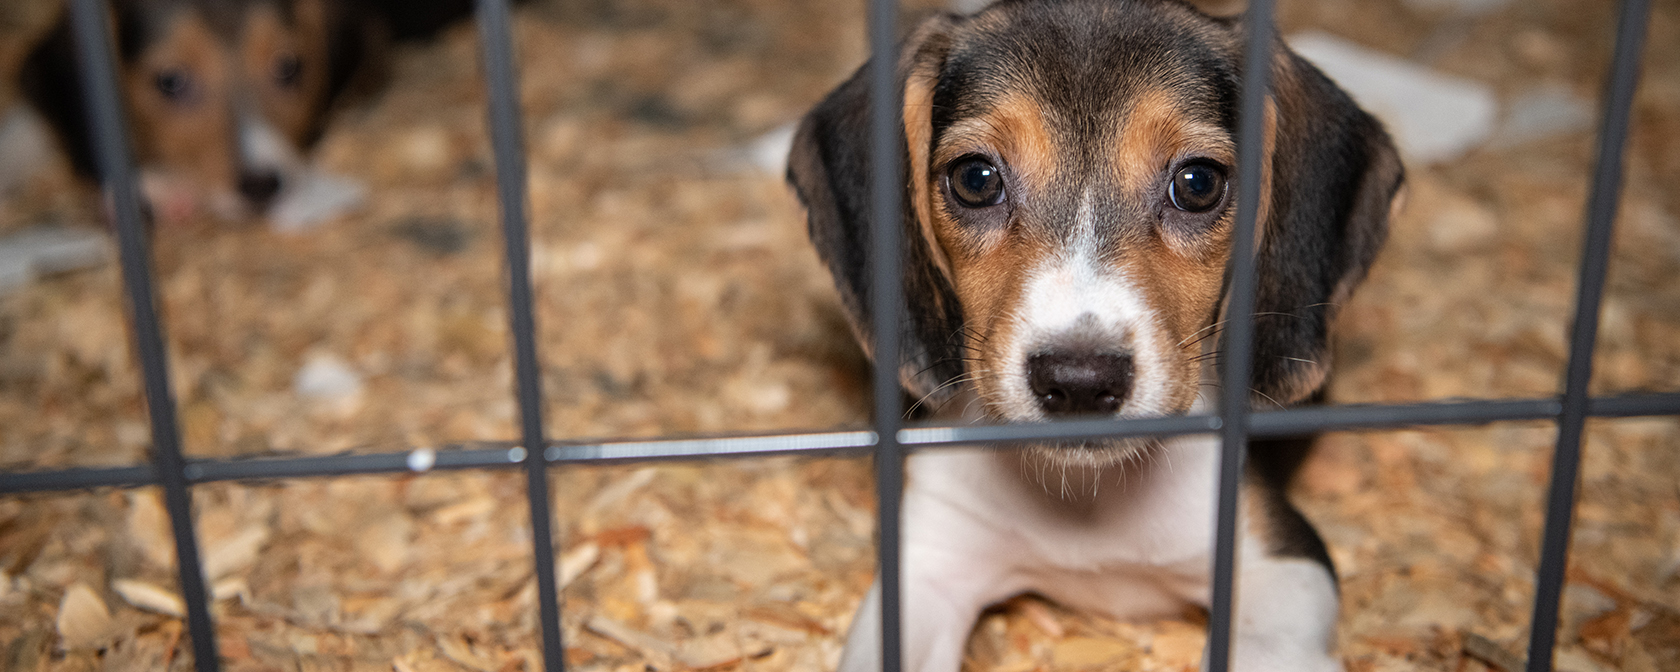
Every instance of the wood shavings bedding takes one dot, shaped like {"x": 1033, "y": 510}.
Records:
{"x": 676, "y": 293}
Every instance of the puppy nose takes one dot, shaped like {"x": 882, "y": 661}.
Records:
{"x": 1073, "y": 383}
{"x": 259, "y": 186}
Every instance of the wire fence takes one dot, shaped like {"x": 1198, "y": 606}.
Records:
{"x": 888, "y": 438}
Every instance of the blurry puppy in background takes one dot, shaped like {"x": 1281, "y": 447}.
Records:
{"x": 225, "y": 97}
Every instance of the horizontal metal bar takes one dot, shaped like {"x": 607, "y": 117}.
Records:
{"x": 724, "y": 446}
{"x": 1066, "y": 430}
{"x": 1634, "y": 405}
{"x": 77, "y": 479}
{"x": 493, "y": 455}
{"x": 479, "y": 456}
{"x": 1308, "y": 420}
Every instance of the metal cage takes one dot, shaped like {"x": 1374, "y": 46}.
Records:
{"x": 889, "y": 439}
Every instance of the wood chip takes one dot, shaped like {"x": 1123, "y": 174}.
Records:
{"x": 1081, "y": 652}
{"x": 1178, "y": 643}
{"x": 656, "y": 650}
{"x": 717, "y": 651}
{"x": 150, "y": 597}
{"x": 477, "y": 507}
{"x": 1491, "y": 653}
{"x": 618, "y": 492}
{"x": 84, "y": 622}
{"x": 234, "y": 554}
{"x": 458, "y": 649}
{"x": 1040, "y": 616}
{"x": 148, "y": 528}
{"x": 387, "y": 541}
{"x": 422, "y": 661}
{"x": 227, "y": 589}
{"x": 785, "y": 615}
{"x": 575, "y": 562}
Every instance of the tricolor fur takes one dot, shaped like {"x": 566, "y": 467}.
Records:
{"x": 1069, "y": 198}
{"x": 224, "y": 98}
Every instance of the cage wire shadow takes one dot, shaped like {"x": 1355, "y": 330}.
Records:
{"x": 888, "y": 438}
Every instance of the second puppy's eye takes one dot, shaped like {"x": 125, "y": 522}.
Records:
{"x": 175, "y": 84}
{"x": 976, "y": 183}
{"x": 288, "y": 69}
{"x": 1197, "y": 187}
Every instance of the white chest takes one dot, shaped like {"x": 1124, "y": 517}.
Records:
{"x": 1131, "y": 541}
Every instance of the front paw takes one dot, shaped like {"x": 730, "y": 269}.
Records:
{"x": 1250, "y": 655}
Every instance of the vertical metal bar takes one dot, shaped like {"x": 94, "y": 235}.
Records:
{"x": 886, "y": 187}
{"x": 116, "y": 170}
{"x": 508, "y": 143}
{"x": 1239, "y": 333}
{"x": 1595, "y": 264}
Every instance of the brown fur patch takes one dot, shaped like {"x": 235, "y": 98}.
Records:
{"x": 194, "y": 135}
{"x": 1015, "y": 129}
{"x": 1159, "y": 128}
{"x": 918, "y": 134}
{"x": 985, "y": 269}
{"x": 293, "y": 108}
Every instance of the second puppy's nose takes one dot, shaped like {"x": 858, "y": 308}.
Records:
{"x": 1075, "y": 383}
{"x": 259, "y": 186}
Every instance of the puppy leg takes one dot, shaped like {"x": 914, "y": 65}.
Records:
{"x": 1285, "y": 619}
{"x": 933, "y": 637}
{"x": 936, "y": 626}
{"x": 954, "y": 564}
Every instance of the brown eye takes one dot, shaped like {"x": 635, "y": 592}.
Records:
{"x": 288, "y": 69}
{"x": 976, "y": 183}
{"x": 1197, "y": 187}
{"x": 175, "y": 84}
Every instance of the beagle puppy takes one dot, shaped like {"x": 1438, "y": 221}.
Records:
{"x": 1068, "y": 206}
{"x": 224, "y": 97}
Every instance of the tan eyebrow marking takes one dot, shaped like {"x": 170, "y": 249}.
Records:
{"x": 1014, "y": 127}
{"x": 1159, "y": 128}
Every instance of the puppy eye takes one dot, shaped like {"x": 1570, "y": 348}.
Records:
{"x": 175, "y": 84}
{"x": 288, "y": 69}
{"x": 976, "y": 183}
{"x": 1197, "y": 187}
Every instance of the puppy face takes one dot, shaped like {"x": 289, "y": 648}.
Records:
{"x": 1070, "y": 169}
{"x": 1084, "y": 207}
{"x": 225, "y": 96}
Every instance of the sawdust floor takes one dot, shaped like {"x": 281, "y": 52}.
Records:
{"x": 676, "y": 294}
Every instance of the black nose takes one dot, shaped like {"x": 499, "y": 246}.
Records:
{"x": 259, "y": 186}
{"x": 1072, "y": 383}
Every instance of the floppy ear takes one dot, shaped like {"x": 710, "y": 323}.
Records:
{"x": 51, "y": 78}
{"x": 829, "y": 169}
{"x": 1334, "y": 178}
{"x": 353, "y": 42}
{"x": 51, "y": 81}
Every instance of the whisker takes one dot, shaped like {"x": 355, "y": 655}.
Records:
{"x": 1202, "y": 338}
{"x": 964, "y": 378}
{"x": 1215, "y": 325}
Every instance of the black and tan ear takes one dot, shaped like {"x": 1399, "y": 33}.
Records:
{"x": 50, "y": 77}
{"x": 51, "y": 81}
{"x": 1334, "y": 178}
{"x": 829, "y": 168}
{"x": 355, "y": 43}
